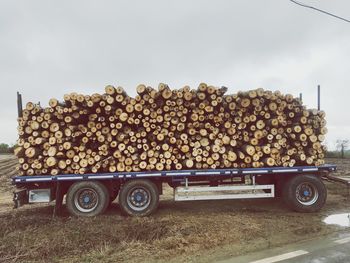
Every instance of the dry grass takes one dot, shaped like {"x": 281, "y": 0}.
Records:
{"x": 189, "y": 231}
{"x": 8, "y": 165}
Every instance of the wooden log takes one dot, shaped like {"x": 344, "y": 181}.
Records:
{"x": 183, "y": 128}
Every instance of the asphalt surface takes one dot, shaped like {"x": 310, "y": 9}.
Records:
{"x": 329, "y": 249}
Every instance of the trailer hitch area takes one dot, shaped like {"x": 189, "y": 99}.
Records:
{"x": 20, "y": 198}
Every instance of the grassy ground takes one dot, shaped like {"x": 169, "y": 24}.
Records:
{"x": 178, "y": 232}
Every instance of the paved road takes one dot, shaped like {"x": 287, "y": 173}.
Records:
{"x": 330, "y": 249}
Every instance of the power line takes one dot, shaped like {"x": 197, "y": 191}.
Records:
{"x": 319, "y": 10}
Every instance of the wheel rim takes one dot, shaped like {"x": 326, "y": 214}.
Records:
{"x": 307, "y": 194}
{"x": 86, "y": 200}
{"x": 138, "y": 198}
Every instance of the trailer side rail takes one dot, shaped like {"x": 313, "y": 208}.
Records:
{"x": 175, "y": 173}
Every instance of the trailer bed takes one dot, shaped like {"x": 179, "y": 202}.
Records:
{"x": 138, "y": 192}
{"x": 176, "y": 173}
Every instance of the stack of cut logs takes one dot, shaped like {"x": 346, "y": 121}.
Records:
{"x": 168, "y": 129}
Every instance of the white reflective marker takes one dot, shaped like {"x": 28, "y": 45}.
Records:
{"x": 38, "y": 179}
{"x": 285, "y": 170}
{"x": 310, "y": 169}
{"x": 70, "y": 178}
{"x": 255, "y": 172}
{"x": 100, "y": 176}
{"x": 204, "y": 173}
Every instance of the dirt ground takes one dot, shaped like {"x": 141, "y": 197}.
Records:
{"x": 201, "y": 231}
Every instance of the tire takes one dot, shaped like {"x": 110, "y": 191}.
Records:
{"x": 147, "y": 195}
{"x": 87, "y": 199}
{"x": 305, "y": 193}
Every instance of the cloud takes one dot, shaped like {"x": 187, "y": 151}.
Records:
{"x": 49, "y": 48}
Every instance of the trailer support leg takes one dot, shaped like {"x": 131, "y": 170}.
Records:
{"x": 59, "y": 200}
{"x": 253, "y": 183}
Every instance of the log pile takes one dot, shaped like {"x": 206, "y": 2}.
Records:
{"x": 164, "y": 129}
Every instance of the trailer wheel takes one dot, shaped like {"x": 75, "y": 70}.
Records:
{"x": 305, "y": 193}
{"x": 139, "y": 198}
{"x": 87, "y": 198}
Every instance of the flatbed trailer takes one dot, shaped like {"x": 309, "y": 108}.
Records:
{"x": 301, "y": 187}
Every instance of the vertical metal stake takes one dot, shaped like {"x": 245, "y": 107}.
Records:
{"x": 19, "y": 104}
{"x": 186, "y": 185}
{"x": 253, "y": 179}
{"x": 318, "y": 97}
{"x": 59, "y": 200}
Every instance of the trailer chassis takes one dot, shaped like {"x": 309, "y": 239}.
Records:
{"x": 139, "y": 191}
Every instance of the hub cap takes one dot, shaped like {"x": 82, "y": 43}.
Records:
{"x": 86, "y": 200}
{"x": 138, "y": 198}
{"x": 306, "y": 194}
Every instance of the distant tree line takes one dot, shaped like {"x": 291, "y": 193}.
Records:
{"x": 341, "y": 150}
{"x": 5, "y": 148}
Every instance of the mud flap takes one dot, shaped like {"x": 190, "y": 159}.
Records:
{"x": 20, "y": 197}
{"x": 59, "y": 200}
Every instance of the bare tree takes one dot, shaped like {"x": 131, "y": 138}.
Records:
{"x": 342, "y": 145}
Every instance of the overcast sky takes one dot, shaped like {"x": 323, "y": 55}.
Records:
{"x": 49, "y": 48}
